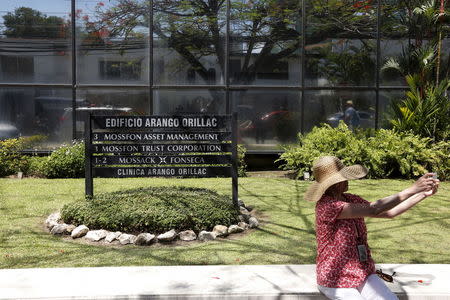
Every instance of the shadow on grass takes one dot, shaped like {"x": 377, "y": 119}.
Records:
{"x": 45, "y": 250}
{"x": 277, "y": 241}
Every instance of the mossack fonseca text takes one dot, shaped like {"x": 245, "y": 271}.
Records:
{"x": 165, "y": 122}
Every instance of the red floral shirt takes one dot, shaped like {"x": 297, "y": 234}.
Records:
{"x": 337, "y": 261}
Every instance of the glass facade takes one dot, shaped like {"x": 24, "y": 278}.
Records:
{"x": 283, "y": 65}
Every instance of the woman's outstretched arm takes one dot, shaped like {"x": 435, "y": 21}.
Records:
{"x": 425, "y": 186}
{"x": 408, "y": 203}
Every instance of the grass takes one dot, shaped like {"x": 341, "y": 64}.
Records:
{"x": 285, "y": 237}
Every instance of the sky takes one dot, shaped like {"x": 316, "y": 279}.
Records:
{"x": 60, "y": 8}
{"x": 49, "y": 7}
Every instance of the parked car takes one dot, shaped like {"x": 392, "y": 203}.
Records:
{"x": 8, "y": 131}
{"x": 366, "y": 119}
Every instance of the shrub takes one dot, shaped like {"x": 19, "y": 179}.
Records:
{"x": 65, "y": 162}
{"x": 324, "y": 140}
{"x": 155, "y": 209}
{"x": 36, "y": 166}
{"x": 242, "y": 166}
{"x": 386, "y": 153}
{"x": 400, "y": 154}
{"x": 11, "y": 158}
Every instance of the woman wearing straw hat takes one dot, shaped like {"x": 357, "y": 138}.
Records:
{"x": 345, "y": 268}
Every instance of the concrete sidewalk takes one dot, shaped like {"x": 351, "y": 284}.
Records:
{"x": 193, "y": 282}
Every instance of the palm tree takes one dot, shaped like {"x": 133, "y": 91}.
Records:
{"x": 425, "y": 110}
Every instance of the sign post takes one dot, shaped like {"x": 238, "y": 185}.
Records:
{"x": 167, "y": 146}
{"x": 234, "y": 159}
{"x": 89, "y": 182}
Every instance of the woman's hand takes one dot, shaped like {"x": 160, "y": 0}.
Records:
{"x": 425, "y": 183}
{"x": 433, "y": 190}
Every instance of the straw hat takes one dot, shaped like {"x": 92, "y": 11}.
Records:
{"x": 329, "y": 170}
{"x": 349, "y": 102}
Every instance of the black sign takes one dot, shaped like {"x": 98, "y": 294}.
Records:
{"x": 202, "y": 122}
{"x": 162, "y": 172}
{"x": 160, "y": 148}
{"x": 161, "y": 160}
{"x": 145, "y": 137}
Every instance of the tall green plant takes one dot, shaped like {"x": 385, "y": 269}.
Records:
{"x": 425, "y": 110}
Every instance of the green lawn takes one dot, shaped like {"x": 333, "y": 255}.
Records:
{"x": 285, "y": 237}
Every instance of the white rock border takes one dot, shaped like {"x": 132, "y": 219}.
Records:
{"x": 56, "y": 226}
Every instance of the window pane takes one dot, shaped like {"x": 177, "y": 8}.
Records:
{"x": 189, "y": 42}
{"x": 35, "y": 41}
{"x": 409, "y": 39}
{"x": 189, "y": 102}
{"x": 386, "y": 112}
{"x": 110, "y": 102}
{"x": 265, "y": 42}
{"x": 340, "y": 43}
{"x": 329, "y": 106}
{"x": 267, "y": 119}
{"x": 112, "y": 42}
{"x": 36, "y": 111}
{"x": 395, "y": 41}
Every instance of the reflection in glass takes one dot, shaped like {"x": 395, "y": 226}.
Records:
{"x": 35, "y": 42}
{"x": 265, "y": 39}
{"x": 101, "y": 101}
{"x": 189, "y": 102}
{"x": 189, "y": 42}
{"x": 112, "y": 41}
{"x": 410, "y": 33}
{"x": 392, "y": 48}
{"x": 396, "y": 40}
{"x": 267, "y": 119}
{"x": 36, "y": 111}
{"x": 340, "y": 46}
{"x": 386, "y": 112}
{"x": 327, "y": 106}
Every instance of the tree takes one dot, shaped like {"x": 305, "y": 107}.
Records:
{"x": 426, "y": 107}
{"x": 26, "y": 22}
{"x": 196, "y": 30}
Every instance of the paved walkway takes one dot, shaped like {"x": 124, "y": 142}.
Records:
{"x": 412, "y": 282}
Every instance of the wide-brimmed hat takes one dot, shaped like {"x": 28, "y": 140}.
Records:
{"x": 329, "y": 170}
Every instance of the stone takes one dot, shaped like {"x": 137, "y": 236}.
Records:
{"x": 59, "y": 229}
{"x": 96, "y": 235}
{"x": 249, "y": 207}
{"x": 235, "y": 229}
{"x": 70, "y": 228}
{"x": 51, "y": 224}
{"x": 253, "y": 222}
{"x": 206, "y": 236}
{"x": 53, "y": 220}
{"x": 144, "y": 239}
{"x": 125, "y": 238}
{"x": 187, "y": 235}
{"x": 241, "y": 203}
{"x": 220, "y": 230}
{"x": 243, "y": 211}
{"x": 79, "y": 231}
{"x": 244, "y": 218}
{"x": 167, "y": 236}
{"x": 112, "y": 236}
{"x": 243, "y": 225}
